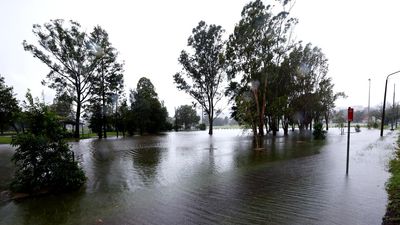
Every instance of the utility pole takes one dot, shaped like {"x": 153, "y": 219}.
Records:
{"x": 384, "y": 101}
{"x": 394, "y": 114}
{"x": 369, "y": 99}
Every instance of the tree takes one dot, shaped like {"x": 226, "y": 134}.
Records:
{"x": 96, "y": 119}
{"x": 108, "y": 80}
{"x": 327, "y": 98}
{"x": 8, "y": 106}
{"x": 68, "y": 52}
{"x": 203, "y": 70}
{"x": 149, "y": 114}
{"x": 62, "y": 106}
{"x": 186, "y": 116}
{"x": 254, "y": 53}
{"x": 44, "y": 161}
{"x": 312, "y": 97}
{"x": 123, "y": 118}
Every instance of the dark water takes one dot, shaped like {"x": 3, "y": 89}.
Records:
{"x": 191, "y": 178}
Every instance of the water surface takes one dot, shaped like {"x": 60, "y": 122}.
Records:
{"x": 191, "y": 178}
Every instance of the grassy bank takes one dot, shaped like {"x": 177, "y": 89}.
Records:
{"x": 7, "y": 138}
{"x": 392, "y": 215}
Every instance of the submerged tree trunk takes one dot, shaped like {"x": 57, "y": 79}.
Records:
{"x": 285, "y": 126}
{"x": 211, "y": 124}
{"x": 274, "y": 126}
{"x": 77, "y": 117}
{"x": 210, "y": 128}
{"x": 254, "y": 128}
{"x": 327, "y": 120}
{"x": 261, "y": 127}
{"x": 103, "y": 98}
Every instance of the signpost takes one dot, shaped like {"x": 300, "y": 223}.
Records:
{"x": 350, "y": 112}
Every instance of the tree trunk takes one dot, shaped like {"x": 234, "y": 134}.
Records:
{"x": 15, "y": 128}
{"x": 326, "y": 121}
{"x": 261, "y": 126}
{"x": 263, "y": 106}
{"x": 103, "y": 98}
{"x": 274, "y": 127}
{"x": 103, "y": 122}
{"x": 77, "y": 117}
{"x": 100, "y": 134}
{"x": 254, "y": 128}
{"x": 210, "y": 127}
{"x": 285, "y": 126}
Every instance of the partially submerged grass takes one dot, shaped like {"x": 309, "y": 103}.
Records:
{"x": 392, "y": 215}
{"x": 7, "y": 138}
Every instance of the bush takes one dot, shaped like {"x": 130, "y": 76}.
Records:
{"x": 357, "y": 128}
{"x": 44, "y": 161}
{"x": 318, "y": 132}
{"x": 202, "y": 126}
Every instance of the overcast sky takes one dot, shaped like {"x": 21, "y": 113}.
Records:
{"x": 361, "y": 39}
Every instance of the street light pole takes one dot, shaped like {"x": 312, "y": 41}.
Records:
{"x": 99, "y": 52}
{"x": 394, "y": 115}
{"x": 384, "y": 101}
{"x": 369, "y": 98}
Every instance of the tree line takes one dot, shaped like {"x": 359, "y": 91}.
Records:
{"x": 269, "y": 78}
{"x": 87, "y": 76}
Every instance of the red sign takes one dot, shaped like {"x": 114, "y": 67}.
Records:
{"x": 350, "y": 114}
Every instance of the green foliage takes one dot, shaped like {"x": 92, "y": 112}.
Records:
{"x": 107, "y": 83}
{"x": 74, "y": 61}
{"x": 254, "y": 53}
{"x": 186, "y": 116}
{"x": 393, "y": 188}
{"x": 96, "y": 119}
{"x": 149, "y": 115}
{"x": 312, "y": 95}
{"x": 9, "y": 108}
{"x": 124, "y": 120}
{"x": 62, "y": 106}
{"x": 203, "y": 71}
{"x": 318, "y": 131}
{"x": 357, "y": 128}
{"x": 202, "y": 126}
{"x": 44, "y": 162}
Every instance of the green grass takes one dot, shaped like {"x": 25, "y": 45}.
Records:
{"x": 5, "y": 139}
{"x": 392, "y": 215}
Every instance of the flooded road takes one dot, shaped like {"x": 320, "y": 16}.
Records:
{"x": 191, "y": 178}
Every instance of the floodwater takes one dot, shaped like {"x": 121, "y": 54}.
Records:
{"x": 191, "y": 178}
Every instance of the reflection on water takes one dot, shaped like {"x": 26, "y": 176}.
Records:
{"x": 191, "y": 178}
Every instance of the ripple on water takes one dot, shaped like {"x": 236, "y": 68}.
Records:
{"x": 191, "y": 178}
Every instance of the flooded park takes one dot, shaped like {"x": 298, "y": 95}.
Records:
{"x": 194, "y": 178}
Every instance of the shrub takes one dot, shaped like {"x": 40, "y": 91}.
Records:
{"x": 318, "y": 132}
{"x": 202, "y": 126}
{"x": 44, "y": 161}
